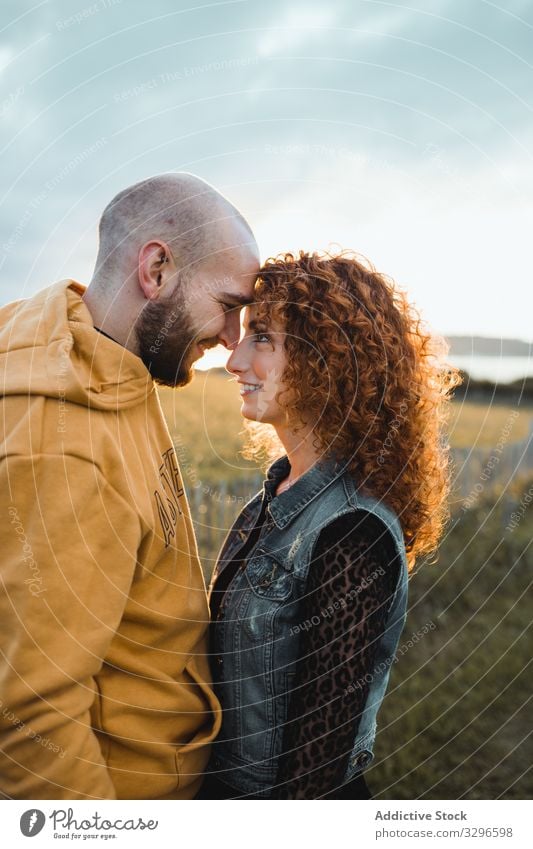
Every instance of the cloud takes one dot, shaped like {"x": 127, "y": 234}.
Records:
{"x": 6, "y": 56}
{"x": 300, "y": 25}
{"x": 459, "y": 246}
{"x": 410, "y": 130}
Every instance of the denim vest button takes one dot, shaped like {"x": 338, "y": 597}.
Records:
{"x": 361, "y": 759}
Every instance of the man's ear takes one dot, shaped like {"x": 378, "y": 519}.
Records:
{"x": 156, "y": 269}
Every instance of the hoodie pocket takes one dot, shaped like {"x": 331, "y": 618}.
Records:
{"x": 97, "y": 721}
{"x": 192, "y": 757}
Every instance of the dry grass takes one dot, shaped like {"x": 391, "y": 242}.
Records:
{"x": 474, "y": 425}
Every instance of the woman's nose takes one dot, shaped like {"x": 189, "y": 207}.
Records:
{"x": 235, "y": 363}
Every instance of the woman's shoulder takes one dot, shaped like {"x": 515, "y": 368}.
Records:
{"x": 364, "y": 504}
{"x": 358, "y": 529}
{"x": 355, "y": 551}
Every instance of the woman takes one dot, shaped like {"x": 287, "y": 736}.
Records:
{"x": 309, "y": 593}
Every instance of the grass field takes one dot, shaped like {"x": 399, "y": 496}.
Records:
{"x": 456, "y": 721}
{"x": 474, "y": 425}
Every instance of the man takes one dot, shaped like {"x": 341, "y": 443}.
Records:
{"x": 104, "y": 678}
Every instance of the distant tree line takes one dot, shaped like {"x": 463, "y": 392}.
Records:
{"x": 517, "y": 392}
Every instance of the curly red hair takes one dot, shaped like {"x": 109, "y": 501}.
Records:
{"x": 373, "y": 381}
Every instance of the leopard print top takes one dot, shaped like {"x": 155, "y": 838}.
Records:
{"x": 353, "y": 574}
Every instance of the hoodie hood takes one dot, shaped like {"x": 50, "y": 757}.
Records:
{"x": 49, "y": 346}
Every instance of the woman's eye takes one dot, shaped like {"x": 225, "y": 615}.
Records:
{"x": 261, "y": 337}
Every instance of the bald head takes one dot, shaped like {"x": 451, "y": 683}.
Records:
{"x": 180, "y": 209}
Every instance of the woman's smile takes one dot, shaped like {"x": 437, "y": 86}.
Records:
{"x": 248, "y": 388}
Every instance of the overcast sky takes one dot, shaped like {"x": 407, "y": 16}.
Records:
{"x": 403, "y": 131}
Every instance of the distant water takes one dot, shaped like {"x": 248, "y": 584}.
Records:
{"x": 496, "y": 369}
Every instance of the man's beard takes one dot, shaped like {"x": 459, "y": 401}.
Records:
{"x": 166, "y": 339}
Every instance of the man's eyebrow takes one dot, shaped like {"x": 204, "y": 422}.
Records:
{"x": 236, "y": 300}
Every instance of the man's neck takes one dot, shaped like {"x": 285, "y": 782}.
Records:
{"x": 109, "y": 318}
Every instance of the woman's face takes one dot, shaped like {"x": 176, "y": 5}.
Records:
{"x": 258, "y": 362}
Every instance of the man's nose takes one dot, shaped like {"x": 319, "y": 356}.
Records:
{"x": 232, "y": 330}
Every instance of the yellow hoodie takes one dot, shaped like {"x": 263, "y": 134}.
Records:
{"x": 104, "y": 677}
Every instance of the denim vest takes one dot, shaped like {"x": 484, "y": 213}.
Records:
{"x": 254, "y": 640}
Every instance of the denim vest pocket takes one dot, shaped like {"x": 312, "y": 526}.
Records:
{"x": 269, "y": 577}
{"x": 270, "y": 584}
